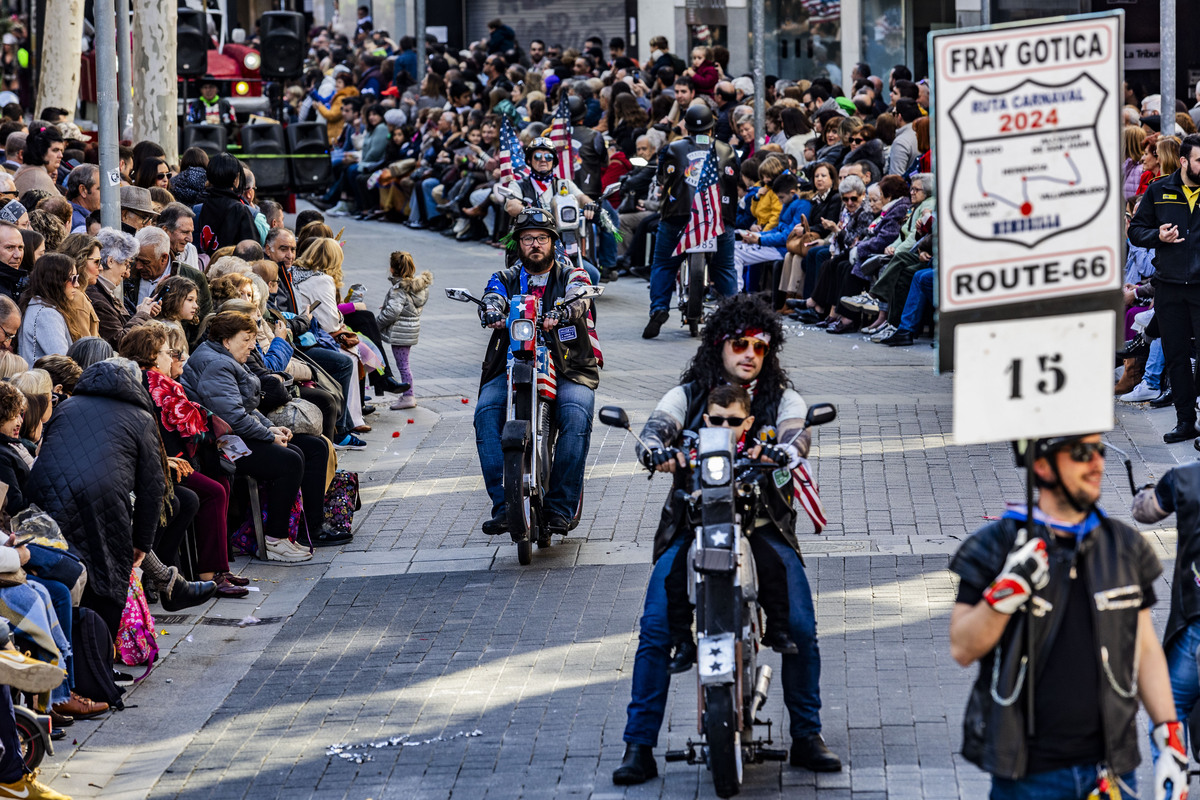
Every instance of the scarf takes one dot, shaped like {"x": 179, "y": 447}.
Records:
{"x": 177, "y": 412}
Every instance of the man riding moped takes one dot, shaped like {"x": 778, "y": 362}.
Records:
{"x": 540, "y": 186}
{"x": 741, "y": 346}
{"x": 678, "y": 173}
{"x": 538, "y": 272}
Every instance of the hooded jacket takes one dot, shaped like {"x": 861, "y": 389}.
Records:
{"x": 100, "y": 447}
{"x": 224, "y": 220}
{"x": 400, "y": 317}
{"x": 334, "y": 121}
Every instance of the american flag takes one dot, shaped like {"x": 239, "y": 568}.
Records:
{"x": 806, "y": 491}
{"x": 706, "y": 221}
{"x": 560, "y": 134}
{"x": 512, "y": 155}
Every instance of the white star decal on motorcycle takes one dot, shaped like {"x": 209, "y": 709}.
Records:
{"x": 720, "y": 538}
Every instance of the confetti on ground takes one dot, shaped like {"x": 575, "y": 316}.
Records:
{"x": 350, "y": 752}
{"x": 248, "y": 621}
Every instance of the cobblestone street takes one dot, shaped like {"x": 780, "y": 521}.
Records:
{"x": 512, "y": 682}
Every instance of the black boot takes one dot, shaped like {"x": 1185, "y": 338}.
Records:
{"x": 776, "y": 637}
{"x": 684, "y": 658}
{"x": 812, "y": 754}
{"x": 497, "y": 525}
{"x": 1180, "y": 433}
{"x": 637, "y": 766}
{"x": 183, "y": 594}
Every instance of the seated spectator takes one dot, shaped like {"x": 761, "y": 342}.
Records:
{"x": 918, "y": 305}
{"x": 179, "y": 305}
{"x": 64, "y": 374}
{"x": 216, "y": 377}
{"x": 90, "y": 350}
{"x": 49, "y": 325}
{"x": 117, "y": 252}
{"x": 43, "y": 152}
{"x": 15, "y": 461}
{"x": 35, "y": 248}
{"x": 85, "y": 250}
{"x": 183, "y": 426}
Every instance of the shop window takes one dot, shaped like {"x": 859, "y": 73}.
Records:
{"x": 803, "y": 39}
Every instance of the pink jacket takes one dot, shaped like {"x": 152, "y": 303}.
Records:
{"x": 706, "y": 77}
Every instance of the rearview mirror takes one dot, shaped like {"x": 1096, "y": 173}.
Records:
{"x": 582, "y": 293}
{"x": 610, "y": 191}
{"x": 614, "y": 416}
{"x": 820, "y": 413}
{"x": 461, "y": 295}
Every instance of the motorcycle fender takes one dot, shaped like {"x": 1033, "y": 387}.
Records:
{"x": 715, "y": 560}
{"x": 717, "y": 659}
{"x": 515, "y": 435}
{"x": 40, "y": 723}
{"x": 747, "y": 573}
{"x": 522, "y": 373}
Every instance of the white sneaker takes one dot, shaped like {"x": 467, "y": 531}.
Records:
{"x": 286, "y": 551}
{"x": 857, "y": 300}
{"x": 1140, "y": 394}
{"x": 883, "y": 333}
{"x": 342, "y": 209}
{"x": 871, "y": 305}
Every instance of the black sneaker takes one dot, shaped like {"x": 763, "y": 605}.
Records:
{"x": 655, "y": 324}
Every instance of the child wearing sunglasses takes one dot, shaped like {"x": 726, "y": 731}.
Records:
{"x": 729, "y": 406}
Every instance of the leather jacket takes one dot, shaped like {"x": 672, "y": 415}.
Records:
{"x": 673, "y": 163}
{"x": 570, "y": 344}
{"x": 593, "y": 158}
{"x": 1116, "y": 563}
{"x": 1178, "y": 491}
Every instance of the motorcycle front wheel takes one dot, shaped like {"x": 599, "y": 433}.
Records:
{"x": 33, "y": 747}
{"x": 522, "y": 518}
{"x": 724, "y": 740}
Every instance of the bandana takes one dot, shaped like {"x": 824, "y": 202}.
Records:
{"x": 747, "y": 333}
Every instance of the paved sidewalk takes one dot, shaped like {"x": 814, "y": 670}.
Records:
{"x": 424, "y": 627}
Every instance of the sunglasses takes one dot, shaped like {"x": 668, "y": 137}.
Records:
{"x": 857, "y": 140}
{"x": 851, "y": 199}
{"x": 543, "y": 157}
{"x": 717, "y": 421}
{"x": 739, "y": 346}
{"x": 1083, "y": 452}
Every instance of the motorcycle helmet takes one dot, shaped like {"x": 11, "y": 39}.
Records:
{"x": 578, "y": 109}
{"x": 1044, "y": 448}
{"x": 541, "y": 143}
{"x": 534, "y": 219}
{"x": 698, "y": 118}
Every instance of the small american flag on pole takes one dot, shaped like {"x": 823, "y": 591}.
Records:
{"x": 706, "y": 221}
{"x": 560, "y": 134}
{"x": 807, "y": 493}
{"x": 512, "y": 155}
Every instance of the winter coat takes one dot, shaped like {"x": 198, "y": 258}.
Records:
{"x": 706, "y": 77}
{"x": 789, "y": 218}
{"x": 34, "y": 177}
{"x": 870, "y": 150}
{"x": 216, "y": 381}
{"x": 400, "y": 316}
{"x": 334, "y": 122}
{"x": 881, "y": 232}
{"x": 43, "y": 332}
{"x": 14, "y": 473}
{"x": 1132, "y": 173}
{"x": 223, "y": 221}
{"x": 114, "y": 320}
{"x": 100, "y": 446}
{"x": 766, "y": 207}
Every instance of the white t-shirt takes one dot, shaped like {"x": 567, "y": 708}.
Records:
{"x": 674, "y": 403}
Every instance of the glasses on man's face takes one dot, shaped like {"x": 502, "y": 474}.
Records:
{"x": 1083, "y": 452}
{"x": 718, "y": 421}
{"x": 540, "y": 239}
{"x": 8, "y": 335}
{"x": 739, "y": 346}
{"x": 543, "y": 157}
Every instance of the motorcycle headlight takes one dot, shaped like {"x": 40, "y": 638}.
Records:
{"x": 567, "y": 214}
{"x": 252, "y": 61}
{"x": 715, "y": 470}
{"x": 521, "y": 330}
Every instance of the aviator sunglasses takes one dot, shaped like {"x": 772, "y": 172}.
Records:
{"x": 739, "y": 346}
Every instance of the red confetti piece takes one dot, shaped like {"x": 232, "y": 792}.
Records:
{"x": 410, "y": 422}
{"x": 395, "y": 434}
{"x": 464, "y": 401}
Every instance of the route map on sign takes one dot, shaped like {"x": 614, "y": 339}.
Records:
{"x": 1024, "y": 175}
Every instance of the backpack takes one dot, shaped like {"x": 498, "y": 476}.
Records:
{"x": 135, "y": 637}
{"x": 341, "y": 501}
{"x": 92, "y": 645}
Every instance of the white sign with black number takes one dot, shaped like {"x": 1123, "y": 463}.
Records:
{"x": 1029, "y": 378}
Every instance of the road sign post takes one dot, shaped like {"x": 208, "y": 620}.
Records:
{"x": 1030, "y": 241}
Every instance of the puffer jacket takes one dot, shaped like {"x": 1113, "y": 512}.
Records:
{"x": 216, "y": 381}
{"x": 400, "y": 317}
{"x": 100, "y": 447}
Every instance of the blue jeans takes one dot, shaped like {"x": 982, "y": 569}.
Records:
{"x": 606, "y": 243}
{"x": 801, "y": 673}
{"x": 665, "y": 266}
{"x": 920, "y": 298}
{"x": 341, "y": 368}
{"x": 573, "y": 416}
{"x": 427, "y": 187}
{"x": 60, "y": 598}
{"x": 1071, "y": 783}
{"x": 1154, "y": 366}
{"x": 1183, "y": 655}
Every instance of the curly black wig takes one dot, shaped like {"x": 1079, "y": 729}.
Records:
{"x": 734, "y": 315}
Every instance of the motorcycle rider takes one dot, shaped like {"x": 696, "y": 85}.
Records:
{"x": 539, "y": 272}
{"x": 739, "y": 319}
{"x": 678, "y": 171}
{"x": 1090, "y": 583}
{"x": 588, "y": 144}
{"x": 540, "y": 186}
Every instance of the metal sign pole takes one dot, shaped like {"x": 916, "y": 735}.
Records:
{"x": 1166, "y": 69}
{"x": 106, "y": 86}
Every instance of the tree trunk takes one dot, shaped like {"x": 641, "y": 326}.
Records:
{"x": 59, "y": 85}
{"x": 155, "y": 100}
{"x": 347, "y": 17}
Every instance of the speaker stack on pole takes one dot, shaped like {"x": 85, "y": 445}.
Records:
{"x": 308, "y": 139}
{"x": 209, "y": 138}
{"x": 271, "y": 173}
{"x": 191, "y": 48}
{"x": 283, "y": 45}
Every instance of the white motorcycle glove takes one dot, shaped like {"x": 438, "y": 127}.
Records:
{"x": 1026, "y": 570}
{"x": 1170, "y": 768}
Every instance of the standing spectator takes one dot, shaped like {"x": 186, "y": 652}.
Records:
{"x": 704, "y": 72}
{"x": 501, "y": 38}
{"x": 400, "y": 317}
{"x": 904, "y": 149}
{"x": 224, "y": 219}
{"x": 83, "y": 190}
{"x": 1162, "y": 225}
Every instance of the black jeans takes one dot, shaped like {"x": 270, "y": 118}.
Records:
{"x": 330, "y": 410}
{"x": 1177, "y": 309}
{"x": 299, "y": 467}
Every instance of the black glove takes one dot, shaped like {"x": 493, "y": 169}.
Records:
{"x": 490, "y": 316}
{"x": 651, "y": 459}
{"x": 554, "y": 314}
{"x": 591, "y": 210}
{"x": 777, "y": 454}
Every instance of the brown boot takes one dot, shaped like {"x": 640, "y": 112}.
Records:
{"x": 1134, "y": 368}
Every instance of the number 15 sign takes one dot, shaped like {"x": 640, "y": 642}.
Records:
{"x": 1035, "y": 377}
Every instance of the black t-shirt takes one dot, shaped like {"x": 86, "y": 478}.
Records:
{"x": 1068, "y": 728}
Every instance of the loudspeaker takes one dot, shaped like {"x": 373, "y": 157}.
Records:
{"x": 209, "y": 138}
{"x": 283, "y": 44}
{"x": 308, "y": 139}
{"x": 266, "y": 139}
{"x": 191, "y": 43}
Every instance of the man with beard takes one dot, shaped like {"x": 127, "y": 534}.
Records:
{"x": 1167, "y": 221}
{"x": 537, "y": 272}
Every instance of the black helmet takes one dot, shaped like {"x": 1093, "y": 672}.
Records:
{"x": 1044, "y": 447}
{"x": 698, "y": 118}
{"x": 541, "y": 143}
{"x": 534, "y": 219}
{"x": 578, "y": 108}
